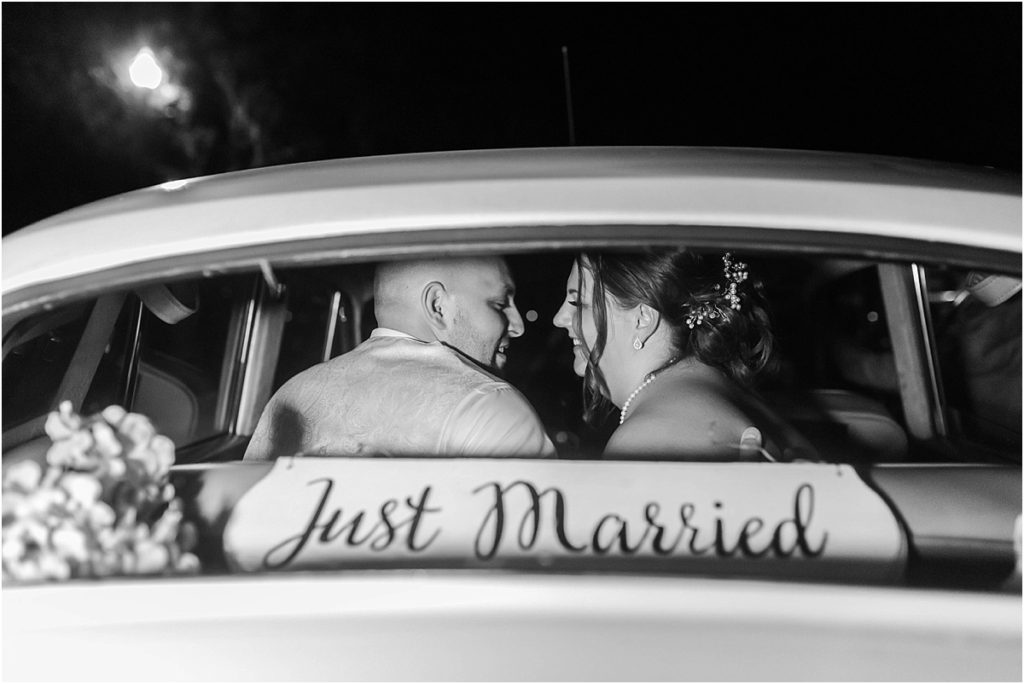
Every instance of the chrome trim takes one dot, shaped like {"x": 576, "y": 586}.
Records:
{"x": 131, "y": 374}
{"x": 934, "y": 376}
{"x": 236, "y": 359}
{"x": 332, "y": 325}
{"x": 902, "y": 314}
{"x": 263, "y": 346}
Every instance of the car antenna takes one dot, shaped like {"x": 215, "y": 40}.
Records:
{"x": 568, "y": 95}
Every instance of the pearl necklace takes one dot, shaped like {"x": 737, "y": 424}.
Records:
{"x": 647, "y": 381}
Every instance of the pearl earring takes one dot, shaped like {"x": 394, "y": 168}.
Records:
{"x": 637, "y": 344}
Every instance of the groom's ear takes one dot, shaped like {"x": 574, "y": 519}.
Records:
{"x": 434, "y": 302}
{"x": 647, "y": 320}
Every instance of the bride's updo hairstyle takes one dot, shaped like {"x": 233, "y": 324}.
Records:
{"x": 714, "y": 311}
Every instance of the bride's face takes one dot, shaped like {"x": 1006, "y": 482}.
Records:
{"x": 576, "y": 317}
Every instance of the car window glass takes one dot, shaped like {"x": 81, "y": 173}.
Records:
{"x": 185, "y": 368}
{"x": 34, "y": 368}
{"x": 316, "y": 324}
{"x": 978, "y": 342}
{"x": 858, "y": 352}
{"x": 109, "y": 384}
{"x": 834, "y": 380}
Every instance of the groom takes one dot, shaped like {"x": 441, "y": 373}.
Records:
{"x": 421, "y": 385}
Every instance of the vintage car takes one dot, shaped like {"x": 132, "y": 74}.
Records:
{"x": 893, "y": 552}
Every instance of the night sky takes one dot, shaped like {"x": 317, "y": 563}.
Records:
{"x": 269, "y": 84}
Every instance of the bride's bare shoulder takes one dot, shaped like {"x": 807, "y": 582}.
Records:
{"x": 683, "y": 418}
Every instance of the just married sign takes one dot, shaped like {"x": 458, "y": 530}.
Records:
{"x": 326, "y": 512}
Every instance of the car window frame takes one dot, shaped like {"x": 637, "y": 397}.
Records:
{"x": 952, "y": 438}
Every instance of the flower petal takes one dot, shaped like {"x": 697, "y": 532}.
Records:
{"x": 114, "y": 414}
{"x": 83, "y": 488}
{"x": 25, "y": 475}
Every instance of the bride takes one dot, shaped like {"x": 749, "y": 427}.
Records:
{"x": 674, "y": 340}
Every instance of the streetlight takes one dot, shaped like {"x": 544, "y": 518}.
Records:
{"x": 144, "y": 70}
{"x": 156, "y": 83}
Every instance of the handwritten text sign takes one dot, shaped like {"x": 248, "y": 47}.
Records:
{"x": 323, "y": 512}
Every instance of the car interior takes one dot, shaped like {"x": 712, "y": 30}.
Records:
{"x": 177, "y": 352}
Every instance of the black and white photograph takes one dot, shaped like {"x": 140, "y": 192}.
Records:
{"x": 522, "y": 341}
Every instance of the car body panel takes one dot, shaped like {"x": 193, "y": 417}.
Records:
{"x": 800, "y": 191}
{"x": 468, "y": 626}
{"x": 954, "y": 512}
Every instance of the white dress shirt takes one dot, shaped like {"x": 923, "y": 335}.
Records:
{"x": 395, "y": 395}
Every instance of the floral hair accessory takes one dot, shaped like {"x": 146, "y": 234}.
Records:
{"x": 101, "y": 505}
{"x": 735, "y": 273}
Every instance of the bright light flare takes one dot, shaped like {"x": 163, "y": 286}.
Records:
{"x": 173, "y": 185}
{"x": 144, "y": 70}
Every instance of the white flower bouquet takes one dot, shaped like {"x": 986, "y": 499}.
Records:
{"x": 103, "y": 505}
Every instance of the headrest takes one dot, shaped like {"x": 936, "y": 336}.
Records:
{"x": 166, "y": 305}
{"x": 992, "y": 290}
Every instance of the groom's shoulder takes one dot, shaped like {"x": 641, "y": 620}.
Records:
{"x": 430, "y": 363}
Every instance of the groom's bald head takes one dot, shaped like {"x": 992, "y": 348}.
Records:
{"x": 466, "y": 302}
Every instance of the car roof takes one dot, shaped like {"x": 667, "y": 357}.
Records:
{"x": 773, "y": 189}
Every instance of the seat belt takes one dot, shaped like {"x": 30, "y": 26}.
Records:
{"x": 79, "y": 376}
{"x": 91, "y": 347}
{"x": 77, "y": 379}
